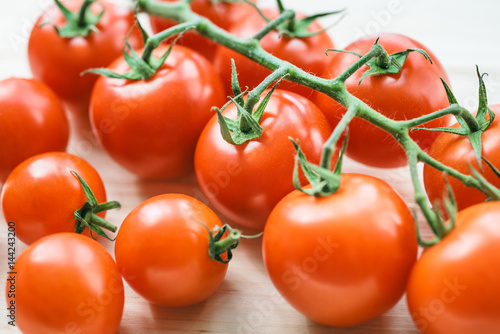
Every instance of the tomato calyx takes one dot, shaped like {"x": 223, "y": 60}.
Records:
{"x": 143, "y": 68}
{"x": 217, "y": 246}
{"x": 86, "y": 216}
{"x": 80, "y": 23}
{"x": 470, "y": 126}
{"x": 385, "y": 63}
{"x": 289, "y": 26}
{"x": 246, "y": 126}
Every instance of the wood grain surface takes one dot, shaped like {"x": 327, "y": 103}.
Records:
{"x": 462, "y": 34}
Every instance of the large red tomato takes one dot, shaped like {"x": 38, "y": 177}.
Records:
{"x": 223, "y": 14}
{"x": 343, "y": 259}
{"x": 59, "y": 61}
{"x": 66, "y": 283}
{"x": 151, "y": 127}
{"x": 456, "y": 152}
{"x": 32, "y": 121}
{"x": 453, "y": 287}
{"x": 244, "y": 182}
{"x": 306, "y": 53}
{"x": 415, "y": 91}
{"x": 162, "y": 249}
{"x": 41, "y": 194}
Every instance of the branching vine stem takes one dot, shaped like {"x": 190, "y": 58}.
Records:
{"x": 334, "y": 88}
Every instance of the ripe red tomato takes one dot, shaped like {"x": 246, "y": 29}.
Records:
{"x": 453, "y": 287}
{"x": 41, "y": 194}
{"x": 223, "y": 14}
{"x": 66, "y": 283}
{"x": 151, "y": 127}
{"x": 415, "y": 91}
{"x": 344, "y": 259}
{"x": 306, "y": 53}
{"x": 456, "y": 151}
{"x": 245, "y": 182}
{"x": 58, "y": 61}
{"x": 162, "y": 251}
{"x": 32, "y": 121}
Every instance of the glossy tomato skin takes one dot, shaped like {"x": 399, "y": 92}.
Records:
{"x": 162, "y": 251}
{"x": 32, "y": 121}
{"x": 456, "y": 151}
{"x": 415, "y": 91}
{"x": 41, "y": 195}
{"x": 222, "y": 14}
{"x": 245, "y": 182}
{"x": 59, "y": 62}
{"x": 306, "y": 53}
{"x": 65, "y": 283}
{"x": 453, "y": 287}
{"x": 151, "y": 127}
{"x": 344, "y": 259}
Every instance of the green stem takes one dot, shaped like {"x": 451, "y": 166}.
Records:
{"x": 82, "y": 13}
{"x": 375, "y": 52}
{"x": 106, "y": 206}
{"x": 286, "y": 15}
{"x": 329, "y": 146}
{"x": 455, "y": 109}
{"x": 254, "y": 95}
{"x": 101, "y": 222}
{"x": 223, "y": 245}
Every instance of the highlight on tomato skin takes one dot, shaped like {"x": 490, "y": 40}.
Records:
{"x": 222, "y": 14}
{"x": 162, "y": 250}
{"x": 343, "y": 259}
{"x": 457, "y": 152}
{"x": 416, "y": 91}
{"x": 453, "y": 287}
{"x": 32, "y": 122}
{"x": 42, "y": 194}
{"x": 66, "y": 282}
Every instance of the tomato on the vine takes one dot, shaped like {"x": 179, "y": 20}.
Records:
{"x": 32, "y": 121}
{"x": 222, "y": 14}
{"x": 59, "y": 61}
{"x": 244, "y": 182}
{"x": 41, "y": 194}
{"x": 456, "y": 152}
{"x": 162, "y": 250}
{"x": 306, "y": 53}
{"x": 453, "y": 287}
{"x": 343, "y": 259}
{"x": 65, "y": 283}
{"x": 415, "y": 91}
{"x": 151, "y": 127}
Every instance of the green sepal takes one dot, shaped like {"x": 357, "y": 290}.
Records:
{"x": 492, "y": 191}
{"x": 80, "y": 23}
{"x": 396, "y": 62}
{"x": 323, "y": 182}
{"x": 495, "y": 170}
{"x": 218, "y": 246}
{"x": 86, "y": 216}
{"x": 235, "y": 85}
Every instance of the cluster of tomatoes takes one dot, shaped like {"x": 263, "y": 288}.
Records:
{"x": 340, "y": 260}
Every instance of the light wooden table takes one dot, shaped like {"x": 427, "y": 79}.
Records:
{"x": 460, "y": 33}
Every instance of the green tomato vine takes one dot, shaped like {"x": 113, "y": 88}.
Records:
{"x": 323, "y": 180}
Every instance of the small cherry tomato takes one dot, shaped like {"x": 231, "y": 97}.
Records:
{"x": 456, "y": 152}
{"x": 343, "y": 259}
{"x": 41, "y": 194}
{"x": 32, "y": 121}
{"x": 306, "y": 53}
{"x": 415, "y": 91}
{"x": 223, "y": 14}
{"x": 59, "y": 61}
{"x": 151, "y": 127}
{"x": 453, "y": 287}
{"x": 245, "y": 182}
{"x": 162, "y": 250}
{"x": 66, "y": 283}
